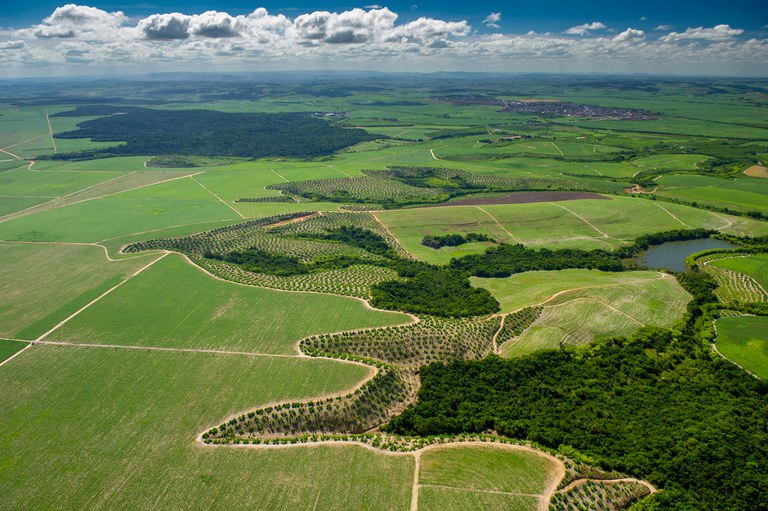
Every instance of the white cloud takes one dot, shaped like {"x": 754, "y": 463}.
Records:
{"x": 492, "y": 20}
{"x": 78, "y": 37}
{"x": 716, "y": 33}
{"x": 81, "y": 21}
{"x": 585, "y": 28}
{"x": 630, "y": 34}
{"x": 13, "y": 45}
{"x": 664, "y": 28}
{"x": 165, "y": 26}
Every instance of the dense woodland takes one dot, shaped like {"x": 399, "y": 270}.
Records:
{"x": 659, "y": 405}
{"x": 210, "y": 133}
{"x": 454, "y": 240}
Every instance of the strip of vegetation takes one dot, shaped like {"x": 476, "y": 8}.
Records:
{"x": 358, "y": 237}
{"x": 213, "y": 133}
{"x": 454, "y": 240}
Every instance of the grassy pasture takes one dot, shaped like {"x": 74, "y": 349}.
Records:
{"x": 41, "y": 284}
{"x": 174, "y": 304}
{"x": 8, "y": 348}
{"x": 582, "y": 314}
{"x": 744, "y": 339}
{"x": 740, "y": 193}
{"x": 115, "y": 429}
{"x": 669, "y": 161}
{"x": 756, "y": 266}
{"x": 534, "y": 287}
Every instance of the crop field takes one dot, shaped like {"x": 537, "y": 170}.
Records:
{"x": 174, "y": 304}
{"x": 586, "y": 224}
{"x": 670, "y": 162}
{"x": 8, "y": 348}
{"x": 38, "y": 294}
{"x": 755, "y": 266}
{"x": 103, "y": 218}
{"x": 740, "y": 277}
{"x": 744, "y": 339}
{"x": 581, "y": 305}
{"x": 471, "y": 477}
{"x": 535, "y": 287}
{"x": 740, "y": 193}
{"x": 132, "y": 415}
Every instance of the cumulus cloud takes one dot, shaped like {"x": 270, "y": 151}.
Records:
{"x": 13, "y": 45}
{"x": 630, "y": 34}
{"x": 165, "y": 26}
{"x": 586, "y": 28}
{"x": 716, "y": 33}
{"x": 492, "y": 20}
{"x": 72, "y": 20}
{"x": 372, "y": 37}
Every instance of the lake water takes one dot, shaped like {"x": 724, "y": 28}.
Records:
{"x": 671, "y": 255}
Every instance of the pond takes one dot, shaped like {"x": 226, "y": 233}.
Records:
{"x": 671, "y": 255}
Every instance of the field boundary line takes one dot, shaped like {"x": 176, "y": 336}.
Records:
{"x": 22, "y": 350}
{"x": 514, "y": 238}
{"x": 105, "y": 293}
{"x": 670, "y": 214}
{"x": 50, "y": 130}
{"x": 22, "y": 142}
{"x": 581, "y": 480}
{"x": 558, "y": 149}
{"x": 41, "y": 206}
{"x": 605, "y": 235}
{"x": 415, "y": 488}
{"x": 382, "y": 224}
{"x": 496, "y": 335}
{"x": 278, "y": 175}
{"x": 210, "y": 351}
{"x": 600, "y": 302}
{"x": 217, "y": 197}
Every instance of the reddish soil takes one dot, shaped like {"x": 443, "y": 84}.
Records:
{"x": 525, "y": 198}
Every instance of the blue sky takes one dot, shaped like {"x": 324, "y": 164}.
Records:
{"x": 538, "y": 15}
{"x": 694, "y": 38}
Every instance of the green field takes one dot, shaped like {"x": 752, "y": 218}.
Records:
{"x": 581, "y": 305}
{"x": 744, "y": 339}
{"x": 8, "y": 348}
{"x": 119, "y": 429}
{"x": 586, "y": 224}
{"x": 174, "y": 304}
{"x": 38, "y": 293}
{"x": 755, "y": 266}
{"x": 104, "y": 218}
{"x": 474, "y": 477}
{"x": 534, "y": 287}
{"x": 744, "y": 193}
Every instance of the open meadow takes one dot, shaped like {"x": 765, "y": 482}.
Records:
{"x": 744, "y": 339}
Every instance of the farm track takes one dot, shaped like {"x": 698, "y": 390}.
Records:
{"x": 514, "y": 238}
{"x": 105, "y": 293}
{"x": 670, "y": 214}
{"x": 217, "y": 197}
{"x": 384, "y": 226}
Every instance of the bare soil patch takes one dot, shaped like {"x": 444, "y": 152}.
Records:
{"x": 757, "y": 171}
{"x": 525, "y": 198}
